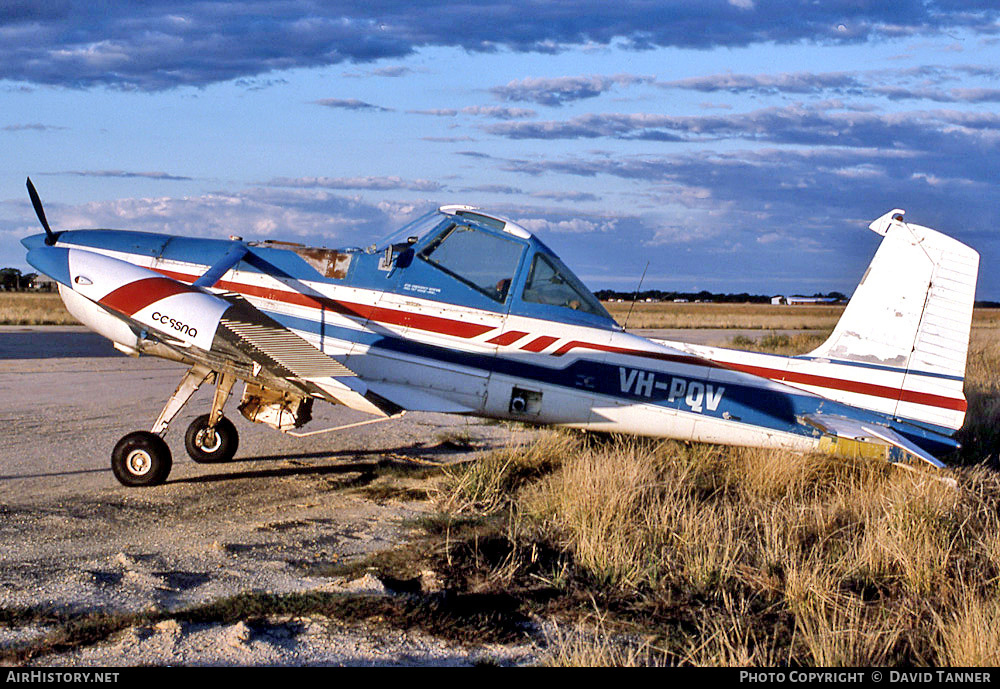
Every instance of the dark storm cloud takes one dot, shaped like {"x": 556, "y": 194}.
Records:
{"x": 159, "y": 44}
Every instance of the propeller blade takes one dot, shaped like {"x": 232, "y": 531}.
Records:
{"x": 40, "y": 212}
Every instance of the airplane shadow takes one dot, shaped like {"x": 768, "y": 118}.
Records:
{"x": 53, "y": 474}
{"x": 369, "y": 464}
{"x": 367, "y": 470}
{"x": 417, "y": 450}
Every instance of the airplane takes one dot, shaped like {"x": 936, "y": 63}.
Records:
{"x": 464, "y": 311}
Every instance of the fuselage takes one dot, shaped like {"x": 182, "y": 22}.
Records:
{"x": 422, "y": 333}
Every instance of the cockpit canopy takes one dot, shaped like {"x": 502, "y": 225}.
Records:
{"x": 501, "y": 261}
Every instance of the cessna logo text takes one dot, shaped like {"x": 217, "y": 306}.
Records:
{"x": 175, "y": 324}
{"x": 698, "y": 396}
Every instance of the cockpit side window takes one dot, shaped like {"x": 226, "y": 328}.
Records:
{"x": 547, "y": 284}
{"x": 479, "y": 259}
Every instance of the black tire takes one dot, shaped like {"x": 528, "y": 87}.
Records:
{"x": 141, "y": 459}
{"x": 227, "y": 440}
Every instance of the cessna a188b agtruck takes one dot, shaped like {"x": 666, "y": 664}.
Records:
{"x": 466, "y": 312}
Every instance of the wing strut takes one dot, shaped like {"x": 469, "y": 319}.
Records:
{"x": 215, "y": 272}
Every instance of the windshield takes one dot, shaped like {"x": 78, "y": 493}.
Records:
{"x": 480, "y": 259}
{"x": 415, "y": 228}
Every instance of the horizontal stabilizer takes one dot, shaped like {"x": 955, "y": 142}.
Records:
{"x": 852, "y": 429}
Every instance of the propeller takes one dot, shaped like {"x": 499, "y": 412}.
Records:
{"x": 51, "y": 236}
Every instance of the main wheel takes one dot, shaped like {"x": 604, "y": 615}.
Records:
{"x": 141, "y": 459}
{"x": 207, "y": 450}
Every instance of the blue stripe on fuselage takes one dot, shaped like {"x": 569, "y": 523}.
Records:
{"x": 749, "y": 404}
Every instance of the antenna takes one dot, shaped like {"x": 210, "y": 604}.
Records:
{"x": 635, "y": 296}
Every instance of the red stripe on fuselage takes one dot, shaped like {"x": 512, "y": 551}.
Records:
{"x": 886, "y": 391}
{"x": 539, "y": 343}
{"x": 509, "y": 337}
{"x": 131, "y": 298}
{"x": 435, "y": 324}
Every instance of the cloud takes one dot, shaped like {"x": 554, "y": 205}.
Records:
{"x": 893, "y": 84}
{"x": 952, "y": 138}
{"x": 561, "y": 90}
{"x": 447, "y": 139}
{"x": 797, "y": 82}
{"x": 392, "y": 71}
{"x": 123, "y": 174}
{"x": 315, "y": 217}
{"x": 371, "y": 183}
{"x": 34, "y": 127}
{"x": 163, "y": 44}
{"x": 350, "y": 104}
{"x": 497, "y": 112}
{"x": 954, "y": 95}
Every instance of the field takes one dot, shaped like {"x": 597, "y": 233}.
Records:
{"x": 733, "y": 316}
{"x": 33, "y": 308}
{"x": 26, "y": 308}
{"x": 622, "y": 551}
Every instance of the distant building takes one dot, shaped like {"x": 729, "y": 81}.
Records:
{"x": 43, "y": 283}
{"x": 793, "y": 300}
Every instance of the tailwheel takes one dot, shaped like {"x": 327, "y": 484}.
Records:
{"x": 141, "y": 459}
{"x": 208, "y": 445}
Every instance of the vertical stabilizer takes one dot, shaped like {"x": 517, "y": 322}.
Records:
{"x": 910, "y": 318}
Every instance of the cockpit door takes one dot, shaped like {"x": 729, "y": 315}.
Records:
{"x": 448, "y": 297}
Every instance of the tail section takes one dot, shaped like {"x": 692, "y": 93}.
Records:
{"x": 909, "y": 322}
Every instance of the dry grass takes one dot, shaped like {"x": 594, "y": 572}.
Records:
{"x": 735, "y": 556}
{"x": 783, "y": 558}
{"x": 33, "y": 308}
{"x": 749, "y": 316}
{"x": 741, "y": 316}
{"x": 775, "y": 343}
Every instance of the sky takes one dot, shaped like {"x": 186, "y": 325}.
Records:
{"x": 728, "y": 145}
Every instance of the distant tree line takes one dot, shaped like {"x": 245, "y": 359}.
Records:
{"x": 13, "y": 280}
{"x": 741, "y": 298}
{"x": 704, "y": 295}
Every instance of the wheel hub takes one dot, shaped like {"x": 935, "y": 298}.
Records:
{"x": 139, "y": 462}
{"x": 208, "y": 440}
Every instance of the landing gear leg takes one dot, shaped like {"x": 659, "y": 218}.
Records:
{"x": 143, "y": 458}
{"x": 212, "y": 438}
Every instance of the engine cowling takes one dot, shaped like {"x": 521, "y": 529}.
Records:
{"x": 182, "y": 312}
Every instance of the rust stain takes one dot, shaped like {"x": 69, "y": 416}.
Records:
{"x": 332, "y": 264}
